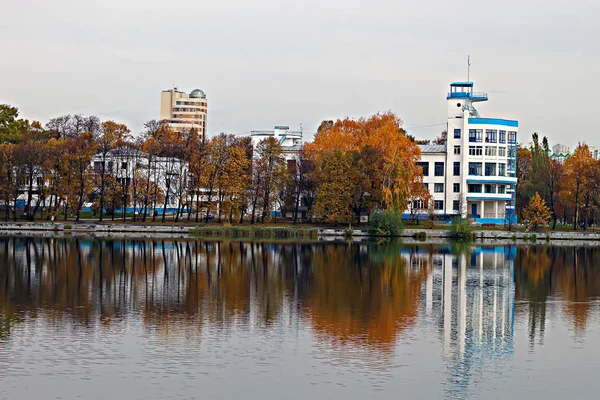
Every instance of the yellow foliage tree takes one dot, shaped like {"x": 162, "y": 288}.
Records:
{"x": 537, "y": 214}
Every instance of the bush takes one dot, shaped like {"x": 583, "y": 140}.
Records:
{"x": 461, "y": 229}
{"x": 386, "y": 223}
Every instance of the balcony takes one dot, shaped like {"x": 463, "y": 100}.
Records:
{"x": 473, "y": 96}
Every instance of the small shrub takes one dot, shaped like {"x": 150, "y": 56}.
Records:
{"x": 67, "y": 226}
{"x": 461, "y": 229}
{"x": 422, "y": 236}
{"x": 386, "y": 223}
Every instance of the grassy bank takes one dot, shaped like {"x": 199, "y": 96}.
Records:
{"x": 255, "y": 232}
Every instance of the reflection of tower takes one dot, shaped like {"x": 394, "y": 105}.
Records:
{"x": 472, "y": 298}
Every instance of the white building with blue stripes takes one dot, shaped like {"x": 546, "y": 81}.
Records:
{"x": 474, "y": 173}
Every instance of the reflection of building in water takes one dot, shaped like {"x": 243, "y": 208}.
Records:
{"x": 471, "y": 299}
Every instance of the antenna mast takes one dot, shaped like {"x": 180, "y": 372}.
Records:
{"x": 468, "y": 68}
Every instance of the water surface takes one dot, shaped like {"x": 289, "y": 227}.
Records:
{"x": 155, "y": 319}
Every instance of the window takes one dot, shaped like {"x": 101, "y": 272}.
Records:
{"x": 425, "y": 166}
{"x": 490, "y": 151}
{"x": 124, "y": 165}
{"x": 512, "y": 151}
{"x": 512, "y": 137}
{"x": 455, "y": 205}
{"x": 490, "y": 188}
{"x": 418, "y": 205}
{"x": 438, "y": 188}
{"x": 475, "y": 150}
{"x": 490, "y": 169}
{"x": 456, "y": 149}
{"x": 475, "y": 168}
{"x": 39, "y": 181}
{"x": 457, "y": 168}
{"x": 439, "y": 169}
{"x": 491, "y": 136}
{"x": 439, "y": 204}
{"x": 425, "y": 186}
{"x": 456, "y": 187}
{"x": 502, "y": 151}
{"x": 474, "y": 188}
{"x": 502, "y": 137}
{"x": 501, "y": 169}
{"x": 501, "y": 189}
{"x": 457, "y": 134}
{"x": 475, "y": 135}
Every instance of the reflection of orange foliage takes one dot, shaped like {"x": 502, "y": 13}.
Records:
{"x": 366, "y": 302}
{"x": 566, "y": 272}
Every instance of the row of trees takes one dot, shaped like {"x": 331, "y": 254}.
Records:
{"x": 571, "y": 190}
{"x": 353, "y": 166}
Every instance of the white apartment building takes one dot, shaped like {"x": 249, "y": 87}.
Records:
{"x": 474, "y": 173}
{"x": 184, "y": 111}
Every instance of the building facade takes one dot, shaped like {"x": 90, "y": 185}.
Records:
{"x": 474, "y": 173}
{"x": 184, "y": 111}
{"x": 170, "y": 175}
{"x": 289, "y": 139}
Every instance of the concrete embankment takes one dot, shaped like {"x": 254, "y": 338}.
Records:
{"x": 116, "y": 230}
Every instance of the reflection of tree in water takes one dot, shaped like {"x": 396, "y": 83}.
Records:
{"x": 363, "y": 295}
{"x": 569, "y": 274}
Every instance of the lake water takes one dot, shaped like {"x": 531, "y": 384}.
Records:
{"x": 156, "y": 319}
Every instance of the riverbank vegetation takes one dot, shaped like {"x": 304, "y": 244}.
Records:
{"x": 571, "y": 190}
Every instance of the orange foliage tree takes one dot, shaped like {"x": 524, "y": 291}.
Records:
{"x": 398, "y": 174}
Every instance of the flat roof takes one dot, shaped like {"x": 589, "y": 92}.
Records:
{"x": 461, "y": 84}
{"x": 494, "y": 121}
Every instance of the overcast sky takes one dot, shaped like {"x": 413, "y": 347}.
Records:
{"x": 280, "y": 62}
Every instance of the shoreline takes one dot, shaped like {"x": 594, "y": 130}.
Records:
{"x": 249, "y": 232}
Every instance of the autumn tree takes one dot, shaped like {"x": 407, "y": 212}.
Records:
{"x": 536, "y": 214}
{"x": 80, "y": 152}
{"x": 335, "y": 189}
{"x": 113, "y": 135}
{"x": 8, "y": 183}
{"x": 270, "y": 162}
{"x": 166, "y": 146}
{"x": 300, "y": 188}
{"x": 580, "y": 185}
{"x": 382, "y": 132}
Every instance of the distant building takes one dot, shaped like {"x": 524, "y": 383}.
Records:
{"x": 290, "y": 140}
{"x": 184, "y": 111}
{"x": 474, "y": 173}
{"x": 561, "y": 149}
{"x": 171, "y": 175}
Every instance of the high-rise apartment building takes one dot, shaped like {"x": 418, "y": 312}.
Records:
{"x": 184, "y": 111}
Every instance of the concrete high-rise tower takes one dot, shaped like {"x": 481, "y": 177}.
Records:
{"x": 183, "y": 111}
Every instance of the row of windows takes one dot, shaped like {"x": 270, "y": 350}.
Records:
{"x": 475, "y": 168}
{"x": 486, "y": 188}
{"x": 491, "y": 169}
{"x": 490, "y": 151}
{"x": 438, "y": 204}
{"x": 420, "y": 204}
{"x": 188, "y": 116}
{"x": 188, "y": 109}
{"x": 438, "y": 168}
{"x": 190, "y": 103}
{"x": 491, "y": 136}
{"x": 439, "y": 187}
